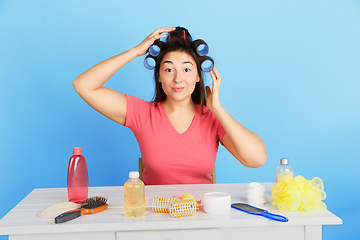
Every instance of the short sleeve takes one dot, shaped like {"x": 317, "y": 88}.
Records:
{"x": 214, "y": 124}
{"x": 136, "y": 113}
{"x": 221, "y": 132}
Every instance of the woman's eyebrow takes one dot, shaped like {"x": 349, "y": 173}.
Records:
{"x": 185, "y": 62}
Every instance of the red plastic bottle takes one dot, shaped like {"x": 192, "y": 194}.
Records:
{"x": 77, "y": 177}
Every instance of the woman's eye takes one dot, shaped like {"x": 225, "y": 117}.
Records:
{"x": 168, "y": 70}
{"x": 187, "y": 70}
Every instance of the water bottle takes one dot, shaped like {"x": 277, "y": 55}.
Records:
{"x": 283, "y": 167}
{"x": 77, "y": 177}
{"x": 134, "y": 196}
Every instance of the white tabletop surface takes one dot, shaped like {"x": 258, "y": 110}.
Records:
{"x": 23, "y": 218}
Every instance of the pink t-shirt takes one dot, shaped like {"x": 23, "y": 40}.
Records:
{"x": 170, "y": 157}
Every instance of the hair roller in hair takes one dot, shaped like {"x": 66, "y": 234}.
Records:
{"x": 163, "y": 40}
{"x": 154, "y": 50}
{"x": 202, "y": 49}
{"x": 149, "y": 62}
{"x": 207, "y": 65}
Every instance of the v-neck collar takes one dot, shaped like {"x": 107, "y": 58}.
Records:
{"x": 163, "y": 112}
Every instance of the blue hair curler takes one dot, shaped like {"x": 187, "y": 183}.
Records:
{"x": 165, "y": 38}
{"x": 149, "y": 63}
{"x": 207, "y": 65}
{"x": 154, "y": 50}
{"x": 202, "y": 49}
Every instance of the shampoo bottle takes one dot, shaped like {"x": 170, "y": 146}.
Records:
{"x": 134, "y": 196}
{"x": 77, "y": 177}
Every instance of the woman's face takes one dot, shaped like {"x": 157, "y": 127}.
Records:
{"x": 178, "y": 75}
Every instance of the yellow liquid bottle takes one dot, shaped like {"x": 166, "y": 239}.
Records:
{"x": 134, "y": 196}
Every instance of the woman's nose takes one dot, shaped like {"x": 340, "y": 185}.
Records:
{"x": 177, "y": 77}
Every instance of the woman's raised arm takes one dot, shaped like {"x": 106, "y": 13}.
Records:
{"x": 243, "y": 144}
{"x": 89, "y": 85}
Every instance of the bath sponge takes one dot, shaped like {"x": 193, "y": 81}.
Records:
{"x": 291, "y": 194}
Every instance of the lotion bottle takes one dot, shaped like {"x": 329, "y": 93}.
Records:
{"x": 77, "y": 177}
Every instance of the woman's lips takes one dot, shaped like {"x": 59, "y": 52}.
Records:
{"x": 178, "y": 89}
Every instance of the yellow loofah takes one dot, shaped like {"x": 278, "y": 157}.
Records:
{"x": 298, "y": 194}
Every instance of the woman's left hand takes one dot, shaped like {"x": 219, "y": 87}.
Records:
{"x": 243, "y": 144}
{"x": 213, "y": 96}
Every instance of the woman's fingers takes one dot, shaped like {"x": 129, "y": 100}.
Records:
{"x": 158, "y": 33}
{"x": 214, "y": 73}
{"x": 149, "y": 40}
{"x": 208, "y": 91}
{"x": 215, "y": 77}
{"x": 165, "y": 29}
{"x": 214, "y": 100}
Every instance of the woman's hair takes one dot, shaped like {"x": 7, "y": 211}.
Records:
{"x": 180, "y": 40}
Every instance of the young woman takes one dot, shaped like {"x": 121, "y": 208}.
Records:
{"x": 179, "y": 132}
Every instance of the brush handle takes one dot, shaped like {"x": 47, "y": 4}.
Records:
{"x": 67, "y": 216}
{"x": 274, "y": 216}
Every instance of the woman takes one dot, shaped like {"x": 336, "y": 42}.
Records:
{"x": 178, "y": 133}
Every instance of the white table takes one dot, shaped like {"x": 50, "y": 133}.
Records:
{"x": 22, "y": 221}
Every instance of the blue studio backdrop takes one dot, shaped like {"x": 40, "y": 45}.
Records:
{"x": 290, "y": 73}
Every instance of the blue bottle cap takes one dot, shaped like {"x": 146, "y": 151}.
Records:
{"x": 202, "y": 50}
{"x": 207, "y": 65}
{"x": 149, "y": 63}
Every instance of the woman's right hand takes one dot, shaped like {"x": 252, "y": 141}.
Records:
{"x": 89, "y": 85}
{"x": 142, "y": 47}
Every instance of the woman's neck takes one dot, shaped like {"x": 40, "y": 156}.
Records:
{"x": 179, "y": 107}
{"x": 180, "y": 114}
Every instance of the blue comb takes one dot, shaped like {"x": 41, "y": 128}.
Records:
{"x": 258, "y": 211}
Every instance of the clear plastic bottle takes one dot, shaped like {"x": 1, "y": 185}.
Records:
{"x": 77, "y": 177}
{"x": 283, "y": 167}
{"x": 134, "y": 196}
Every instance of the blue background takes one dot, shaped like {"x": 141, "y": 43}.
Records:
{"x": 290, "y": 73}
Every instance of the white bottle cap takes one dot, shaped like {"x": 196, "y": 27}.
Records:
{"x": 134, "y": 174}
{"x": 284, "y": 161}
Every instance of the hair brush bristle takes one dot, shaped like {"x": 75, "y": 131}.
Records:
{"x": 93, "y": 202}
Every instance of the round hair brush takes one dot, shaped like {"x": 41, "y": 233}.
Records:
{"x": 88, "y": 206}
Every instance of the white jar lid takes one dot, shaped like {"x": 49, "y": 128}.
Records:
{"x": 217, "y": 202}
